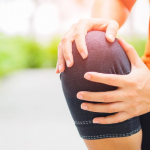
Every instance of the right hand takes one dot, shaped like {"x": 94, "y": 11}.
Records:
{"x": 77, "y": 33}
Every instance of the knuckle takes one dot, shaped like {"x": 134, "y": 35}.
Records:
{"x": 113, "y": 29}
{"x": 111, "y": 109}
{"x": 134, "y": 83}
{"x": 107, "y": 98}
{"x": 131, "y": 95}
{"x": 64, "y": 40}
{"x": 66, "y": 54}
{"x": 59, "y": 46}
{"x": 115, "y": 23}
{"x": 78, "y": 33}
{"x": 139, "y": 86}
{"x": 111, "y": 80}
{"x": 60, "y": 61}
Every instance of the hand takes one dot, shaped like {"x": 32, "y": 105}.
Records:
{"x": 77, "y": 33}
{"x": 132, "y": 98}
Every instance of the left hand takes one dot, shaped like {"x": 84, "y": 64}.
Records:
{"x": 132, "y": 98}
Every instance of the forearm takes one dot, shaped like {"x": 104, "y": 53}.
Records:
{"x": 117, "y": 10}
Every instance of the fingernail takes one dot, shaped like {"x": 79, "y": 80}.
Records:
{"x": 79, "y": 96}
{"x": 87, "y": 76}
{"x": 111, "y": 37}
{"x": 83, "y": 55}
{"x": 59, "y": 68}
{"x": 84, "y": 107}
{"x": 68, "y": 63}
{"x": 95, "y": 121}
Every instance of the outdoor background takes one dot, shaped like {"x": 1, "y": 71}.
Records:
{"x": 33, "y": 112}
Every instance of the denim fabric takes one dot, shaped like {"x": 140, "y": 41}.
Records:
{"x": 103, "y": 57}
{"x": 145, "y": 125}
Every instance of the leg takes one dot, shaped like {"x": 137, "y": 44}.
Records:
{"x": 132, "y": 142}
{"x": 108, "y": 58}
{"x": 145, "y": 124}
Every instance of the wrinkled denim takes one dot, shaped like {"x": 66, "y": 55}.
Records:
{"x": 103, "y": 57}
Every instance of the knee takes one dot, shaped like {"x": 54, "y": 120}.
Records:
{"x": 103, "y": 56}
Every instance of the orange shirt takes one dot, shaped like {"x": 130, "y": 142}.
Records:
{"x": 146, "y": 56}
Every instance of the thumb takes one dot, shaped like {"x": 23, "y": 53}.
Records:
{"x": 131, "y": 52}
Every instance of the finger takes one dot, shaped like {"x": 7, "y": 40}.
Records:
{"x": 79, "y": 35}
{"x": 116, "y": 118}
{"x": 112, "y": 30}
{"x": 85, "y": 25}
{"x": 57, "y": 69}
{"x": 103, "y": 107}
{"x": 61, "y": 60}
{"x": 109, "y": 96}
{"x": 110, "y": 26}
{"x": 131, "y": 53}
{"x": 110, "y": 79}
{"x": 66, "y": 46}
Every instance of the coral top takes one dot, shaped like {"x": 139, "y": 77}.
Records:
{"x": 146, "y": 56}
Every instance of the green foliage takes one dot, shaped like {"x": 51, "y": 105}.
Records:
{"x": 51, "y": 52}
{"x": 20, "y": 52}
{"x": 138, "y": 43}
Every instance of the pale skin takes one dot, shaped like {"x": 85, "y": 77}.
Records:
{"x": 132, "y": 98}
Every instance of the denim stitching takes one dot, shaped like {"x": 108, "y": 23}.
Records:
{"x": 88, "y": 122}
{"x": 111, "y": 135}
{"x": 84, "y": 122}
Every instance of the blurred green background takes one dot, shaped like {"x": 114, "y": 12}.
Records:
{"x": 23, "y": 52}
{"x": 17, "y": 52}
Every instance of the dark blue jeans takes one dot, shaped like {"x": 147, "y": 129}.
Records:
{"x": 103, "y": 57}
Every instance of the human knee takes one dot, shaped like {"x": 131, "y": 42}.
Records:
{"x": 103, "y": 56}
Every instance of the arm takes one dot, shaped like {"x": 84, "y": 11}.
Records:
{"x": 117, "y": 10}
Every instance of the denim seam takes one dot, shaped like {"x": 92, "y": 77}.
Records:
{"x": 84, "y": 122}
{"x": 89, "y": 122}
{"x": 111, "y": 135}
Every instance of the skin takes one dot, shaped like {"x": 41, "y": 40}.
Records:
{"x": 132, "y": 98}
